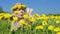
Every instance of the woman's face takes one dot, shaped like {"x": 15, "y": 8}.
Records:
{"x": 21, "y": 13}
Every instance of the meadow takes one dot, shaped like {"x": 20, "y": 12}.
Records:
{"x": 35, "y": 24}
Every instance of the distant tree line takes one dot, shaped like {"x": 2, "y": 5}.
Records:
{"x": 1, "y": 10}
{"x": 54, "y": 14}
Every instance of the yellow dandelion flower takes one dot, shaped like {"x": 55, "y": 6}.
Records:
{"x": 39, "y": 27}
{"x": 35, "y": 15}
{"x": 22, "y": 22}
{"x": 30, "y": 17}
{"x": 7, "y": 15}
{"x": 37, "y": 18}
{"x": 52, "y": 17}
{"x": 43, "y": 15}
{"x": 14, "y": 7}
{"x": 57, "y": 29}
{"x": 2, "y": 14}
{"x": 56, "y": 17}
{"x": 59, "y": 17}
{"x": 57, "y": 21}
{"x": 27, "y": 25}
{"x": 15, "y": 19}
{"x": 58, "y": 33}
{"x": 44, "y": 18}
{"x": 50, "y": 27}
{"x": 23, "y": 6}
{"x": 44, "y": 22}
{"x": 40, "y": 17}
{"x": 19, "y": 6}
{"x": 25, "y": 16}
{"x": 32, "y": 20}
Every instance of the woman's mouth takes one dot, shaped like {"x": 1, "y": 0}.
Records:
{"x": 21, "y": 14}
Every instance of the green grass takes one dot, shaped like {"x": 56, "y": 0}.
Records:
{"x": 5, "y": 27}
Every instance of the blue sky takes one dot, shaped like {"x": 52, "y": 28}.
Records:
{"x": 39, "y": 6}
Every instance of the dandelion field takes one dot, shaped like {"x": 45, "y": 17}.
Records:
{"x": 35, "y": 24}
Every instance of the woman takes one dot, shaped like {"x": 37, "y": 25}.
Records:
{"x": 21, "y": 11}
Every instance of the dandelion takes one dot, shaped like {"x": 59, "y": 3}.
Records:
{"x": 44, "y": 22}
{"x": 56, "y": 17}
{"x": 25, "y": 16}
{"x": 39, "y": 27}
{"x": 19, "y": 6}
{"x": 32, "y": 20}
{"x": 15, "y": 19}
{"x": 57, "y": 21}
{"x": 43, "y": 15}
{"x": 30, "y": 17}
{"x": 52, "y": 17}
{"x": 59, "y": 17}
{"x": 44, "y": 18}
{"x": 40, "y": 17}
{"x": 1, "y": 14}
{"x": 36, "y": 16}
{"x": 57, "y": 29}
{"x": 27, "y": 25}
{"x": 22, "y": 22}
{"x": 50, "y": 27}
{"x": 7, "y": 15}
{"x": 58, "y": 33}
{"x": 23, "y": 6}
{"x": 15, "y": 7}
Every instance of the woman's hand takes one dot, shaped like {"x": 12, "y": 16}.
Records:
{"x": 29, "y": 11}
